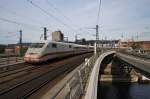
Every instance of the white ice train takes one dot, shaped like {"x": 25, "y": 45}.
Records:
{"x": 46, "y": 50}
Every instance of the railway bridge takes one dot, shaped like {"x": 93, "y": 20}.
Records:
{"x": 133, "y": 66}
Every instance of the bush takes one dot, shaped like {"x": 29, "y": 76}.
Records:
{"x": 135, "y": 46}
{"x": 2, "y": 49}
{"x": 23, "y": 51}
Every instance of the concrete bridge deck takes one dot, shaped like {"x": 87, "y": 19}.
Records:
{"x": 142, "y": 64}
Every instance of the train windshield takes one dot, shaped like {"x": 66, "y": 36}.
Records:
{"x": 37, "y": 45}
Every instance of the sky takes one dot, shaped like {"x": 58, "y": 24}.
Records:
{"x": 119, "y": 19}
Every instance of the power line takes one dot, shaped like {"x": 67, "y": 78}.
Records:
{"x": 62, "y": 14}
{"x": 12, "y": 12}
{"x": 66, "y": 17}
{"x": 16, "y": 14}
{"x": 10, "y": 21}
{"x": 18, "y": 23}
{"x": 99, "y": 11}
{"x": 54, "y": 7}
{"x": 8, "y": 36}
{"x": 49, "y": 14}
{"x": 52, "y": 16}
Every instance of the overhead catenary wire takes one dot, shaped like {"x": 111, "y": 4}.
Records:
{"x": 50, "y": 15}
{"x": 19, "y": 23}
{"x": 66, "y": 17}
{"x": 10, "y": 21}
{"x": 6, "y": 10}
{"x": 7, "y": 36}
{"x": 99, "y": 11}
{"x": 16, "y": 14}
{"x": 60, "y": 12}
{"x": 54, "y": 7}
{"x": 97, "y": 22}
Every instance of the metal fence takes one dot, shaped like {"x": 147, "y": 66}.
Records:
{"x": 73, "y": 85}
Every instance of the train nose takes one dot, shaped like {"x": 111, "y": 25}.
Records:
{"x": 31, "y": 58}
{"x": 27, "y": 58}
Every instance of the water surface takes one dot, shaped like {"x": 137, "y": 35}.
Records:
{"x": 124, "y": 91}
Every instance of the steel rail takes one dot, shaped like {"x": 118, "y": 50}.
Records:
{"x": 41, "y": 80}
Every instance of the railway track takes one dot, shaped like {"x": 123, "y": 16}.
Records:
{"x": 19, "y": 66}
{"x": 13, "y": 69}
{"x": 4, "y": 74}
{"x": 33, "y": 78}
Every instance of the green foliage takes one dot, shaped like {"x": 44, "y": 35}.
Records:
{"x": 2, "y": 49}
{"x": 23, "y": 51}
{"x": 135, "y": 46}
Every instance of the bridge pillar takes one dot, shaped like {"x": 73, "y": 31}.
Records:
{"x": 127, "y": 69}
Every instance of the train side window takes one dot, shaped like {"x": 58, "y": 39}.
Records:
{"x": 54, "y": 45}
{"x": 48, "y": 46}
{"x": 70, "y": 46}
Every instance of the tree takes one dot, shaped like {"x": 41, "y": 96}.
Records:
{"x": 135, "y": 46}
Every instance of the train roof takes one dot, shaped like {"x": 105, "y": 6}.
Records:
{"x": 47, "y": 41}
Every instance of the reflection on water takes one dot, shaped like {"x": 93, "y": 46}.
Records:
{"x": 124, "y": 91}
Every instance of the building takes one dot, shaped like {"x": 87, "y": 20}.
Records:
{"x": 101, "y": 43}
{"x": 2, "y": 48}
{"x": 15, "y": 48}
{"x": 141, "y": 44}
{"x": 122, "y": 44}
{"x": 57, "y": 36}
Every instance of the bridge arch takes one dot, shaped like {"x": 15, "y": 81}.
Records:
{"x": 91, "y": 92}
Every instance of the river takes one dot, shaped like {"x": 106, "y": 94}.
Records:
{"x": 124, "y": 91}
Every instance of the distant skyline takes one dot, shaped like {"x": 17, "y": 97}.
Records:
{"x": 119, "y": 19}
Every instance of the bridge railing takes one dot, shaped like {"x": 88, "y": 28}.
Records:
{"x": 73, "y": 85}
{"x": 91, "y": 92}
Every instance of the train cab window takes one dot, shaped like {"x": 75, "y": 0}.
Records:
{"x": 54, "y": 45}
{"x": 37, "y": 45}
{"x": 76, "y": 47}
{"x": 70, "y": 46}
